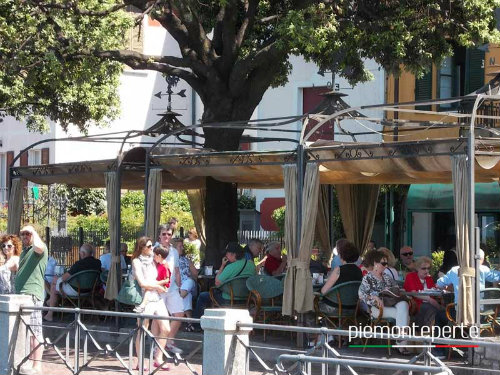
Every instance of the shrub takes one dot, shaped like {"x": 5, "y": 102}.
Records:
{"x": 437, "y": 262}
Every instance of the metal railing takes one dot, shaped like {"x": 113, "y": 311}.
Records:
{"x": 83, "y": 337}
{"x": 322, "y": 353}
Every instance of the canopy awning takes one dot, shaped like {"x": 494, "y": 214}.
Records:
{"x": 420, "y": 162}
{"x": 439, "y": 197}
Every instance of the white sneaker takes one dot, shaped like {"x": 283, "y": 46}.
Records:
{"x": 174, "y": 349}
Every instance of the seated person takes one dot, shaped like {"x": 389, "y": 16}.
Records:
{"x": 86, "y": 262}
{"x": 405, "y": 263}
{"x": 124, "y": 254}
{"x": 50, "y": 273}
{"x": 375, "y": 282}
{"x": 336, "y": 261}
{"x": 452, "y": 278}
{"x": 106, "y": 259}
{"x": 428, "y": 309}
{"x": 391, "y": 259}
{"x": 233, "y": 264}
{"x": 275, "y": 263}
{"x": 348, "y": 271}
{"x": 450, "y": 260}
{"x": 253, "y": 249}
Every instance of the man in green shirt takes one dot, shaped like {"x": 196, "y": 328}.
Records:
{"x": 29, "y": 280}
{"x": 233, "y": 264}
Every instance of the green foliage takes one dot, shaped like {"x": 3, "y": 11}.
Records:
{"x": 44, "y": 70}
{"x": 246, "y": 202}
{"x": 192, "y": 252}
{"x": 278, "y": 216}
{"x": 84, "y": 201}
{"x": 62, "y": 60}
{"x": 437, "y": 261}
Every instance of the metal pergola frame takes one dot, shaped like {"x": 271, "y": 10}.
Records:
{"x": 304, "y": 153}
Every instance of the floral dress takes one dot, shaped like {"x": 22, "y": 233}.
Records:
{"x": 7, "y": 280}
{"x": 371, "y": 287}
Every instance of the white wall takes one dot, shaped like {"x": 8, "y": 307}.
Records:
{"x": 287, "y": 100}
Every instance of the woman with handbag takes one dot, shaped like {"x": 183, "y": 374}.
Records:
{"x": 145, "y": 273}
{"x": 370, "y": 291}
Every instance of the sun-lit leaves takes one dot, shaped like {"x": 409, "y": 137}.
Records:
{"x": 39, "y": 78}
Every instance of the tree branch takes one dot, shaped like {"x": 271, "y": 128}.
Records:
{"x": 248, "y": 21}
{"x": 73, "y": 7}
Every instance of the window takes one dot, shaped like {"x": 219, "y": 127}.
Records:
{"x": 423, "y": 90}
{"x": 449, "y": 81}
{"x": 34, "y": 157}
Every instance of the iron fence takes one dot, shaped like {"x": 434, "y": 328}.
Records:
{"x": 77, "y": 337}
{"x": 265, "y": 236}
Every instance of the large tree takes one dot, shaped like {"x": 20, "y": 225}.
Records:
{"x": 61, "y": 59}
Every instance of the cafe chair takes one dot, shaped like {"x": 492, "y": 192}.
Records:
{"x": 343, "y": 300}
{"x": 236, "y": 288}
{"x": 84, "y": 283}
{"x": 265, "y": 299}
{"x": 489, "y": 313}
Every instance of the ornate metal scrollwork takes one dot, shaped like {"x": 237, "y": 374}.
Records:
{"x": 456, "y": 148}
{"x": 79, "y": 168}
{"x": 194, "y": 160}
{"x": 245, "y": 159}
{"x": 43, "y": 170}
{"x": 290, "y": 158}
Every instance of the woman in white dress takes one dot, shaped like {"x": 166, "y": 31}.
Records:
{"x": 145, "y": 273}
{"x": 11, "y": 248}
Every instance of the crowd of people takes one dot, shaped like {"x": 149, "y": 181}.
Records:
{"x": 167, "y": 279}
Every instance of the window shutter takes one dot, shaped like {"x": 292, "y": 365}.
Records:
{"x": 9, "y": 158}
{"x": 423, "y": 87}
{"x": 45, "y": 155}
{"x": 23, "y": 162}
{"x": 475, "y": 70}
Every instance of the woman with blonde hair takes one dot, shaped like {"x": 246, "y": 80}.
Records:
{"x": 11, "y": 249}
{"x": 391, "y": 262}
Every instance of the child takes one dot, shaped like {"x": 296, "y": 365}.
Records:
{"x": 160, "y": 254}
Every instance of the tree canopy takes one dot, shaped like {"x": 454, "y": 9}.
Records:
{"x": 61, "y": 59}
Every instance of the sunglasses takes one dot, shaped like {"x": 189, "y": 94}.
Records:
{"x": 384, "y": 264}
{"x": 7, "y": 245}
{"x": 25, "y": 233}
{"x": 149, "y": 246}
{"x": 167, "y": 234}
{"x": 425, "y": 268}
{"x": 407, "y": 254}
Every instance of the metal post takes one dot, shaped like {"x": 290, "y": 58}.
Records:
{"x": 76, "y": 368}
{"x": 140, "y": 355}
{"x": 300, "y": 188}
{"x": 80, "y": 236}
{"x": 118, "y": 231}
{"x": 330, "y": 216}
{"x": 146, "y": 186}
{"x": 391, "y": 220}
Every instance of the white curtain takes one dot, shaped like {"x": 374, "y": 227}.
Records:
{"x": 459, "y": 172}
{"x": 298, "y": 293}
{"x": 111, "y": 199}
{"x": 15, "y": 206}
{"x": 153, "y": 208}
{"x": 196, "y": 199}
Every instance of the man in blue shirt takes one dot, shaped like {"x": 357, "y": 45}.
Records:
{"x": 452, "y": 277}
{"x": 253, "y": 249}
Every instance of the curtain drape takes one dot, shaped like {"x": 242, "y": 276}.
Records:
{"x": 111, "y": 199}
{"x": 358, "y": 205}
{"x": 15, "y": 206}
{"x": 196, "y": 199}
{"x": 322, "y": 223}
{"x": 459, "y": 172}
{"x": 153, "y": 208}
{"x": 298, "y": 296}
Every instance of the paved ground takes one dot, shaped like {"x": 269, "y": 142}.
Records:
{"x": 275, "y": 345}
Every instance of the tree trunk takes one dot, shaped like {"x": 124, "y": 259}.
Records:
{"x": 221, "y": 202}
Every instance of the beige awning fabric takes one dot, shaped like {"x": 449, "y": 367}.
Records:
{"x": 322, "y": 230}
{"x": 465, "y": 308}
{"x": 111, "y": 199}
{"x": 419, "y": 162}
{"x": 15, "y": 207}
{"x": 297, "y": 295}
{"x": 358, "y": 205}
{"x": 153, "y": 208}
